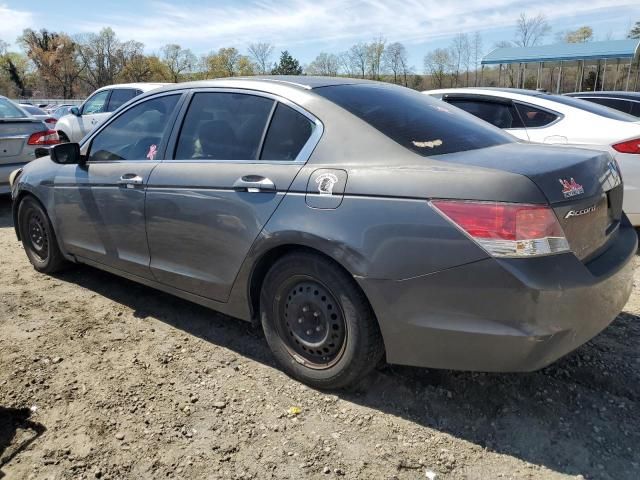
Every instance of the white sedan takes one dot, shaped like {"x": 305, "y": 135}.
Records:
{"x": 554, "y": 119}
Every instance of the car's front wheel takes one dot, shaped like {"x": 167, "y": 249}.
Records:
{"x": 38, "y": 237}
{"x": 318, "y": 323}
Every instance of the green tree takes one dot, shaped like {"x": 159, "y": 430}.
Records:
{"x": 635, "y": 31}
{"x": 287, "y": 65}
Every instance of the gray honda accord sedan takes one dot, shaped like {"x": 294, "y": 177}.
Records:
{"x": 357, "y": 221}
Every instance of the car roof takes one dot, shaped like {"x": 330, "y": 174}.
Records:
{"x": 607, "y": 94}
{"x": 268, "y": 82}
{"x": 144, "y": 86}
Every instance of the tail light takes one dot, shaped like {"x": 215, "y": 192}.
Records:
{"x": 507, "y": 229}
{"x": 48, "y": 137}
{"x": 50, "y": 121}
{"x": 630, "y": 146}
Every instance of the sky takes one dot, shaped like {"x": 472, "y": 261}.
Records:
{"x": 308, "y": 27}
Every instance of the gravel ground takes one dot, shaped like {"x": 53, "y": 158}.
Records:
{"x": 104, "y": 378}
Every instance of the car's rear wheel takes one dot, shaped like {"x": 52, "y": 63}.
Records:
{"x": 38, "y": 237}
{"x": 318, "y": 323}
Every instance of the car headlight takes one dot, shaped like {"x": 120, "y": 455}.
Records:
{"x": 13, "y": 176}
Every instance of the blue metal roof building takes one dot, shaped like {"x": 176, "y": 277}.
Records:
{"x": 568, "y": 55}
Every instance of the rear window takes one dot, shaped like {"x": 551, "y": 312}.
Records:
{"x": 416, "y": 121}
{"x": 33, "y": 110}
{"x": 619, "y": 104}
{"x": 592, "y": 108}
{"x": 9, "y": 110}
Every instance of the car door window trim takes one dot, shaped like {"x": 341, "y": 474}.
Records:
{"x": 302, "y": 157}
{"x": 85, "y": 147}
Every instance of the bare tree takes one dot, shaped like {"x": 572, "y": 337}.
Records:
{"x": 327, "y": 64}
{"x": 437, "y": 64}
{"x": 476, "y": 53}
{"x": 531, "y": 30}
{"x": 395, "y": 61}
{"x": 358, "y": 59}
{"x": 178, "y": 60}
{"x": 261, "y": 54}
{"x": 375, "y": 51}
{"x": 459, "y": 54}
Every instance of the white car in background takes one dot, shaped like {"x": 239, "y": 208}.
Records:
{"x": 97, "y": 108}
{"x": 559, "y": 120}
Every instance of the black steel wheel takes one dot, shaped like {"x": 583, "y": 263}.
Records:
{"x": 38, "y": 237}
{"x": 318, "y": 323}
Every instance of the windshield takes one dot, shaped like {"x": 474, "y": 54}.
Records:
{"x": 593, "y": 108}
{"x": 10, "y": 110}
{"x": 418, "y": 122}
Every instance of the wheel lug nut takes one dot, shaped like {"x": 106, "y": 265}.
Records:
{"x": 309, "y": 332}
{"x": 316, "y": 314}
{"x": 318, "y": 328}
{"x": 300, "y": 320}
{"x": 305, "y": 309}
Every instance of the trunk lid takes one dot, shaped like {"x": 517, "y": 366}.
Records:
{"x": 14, "y": 134}
{"x": 583, "y": 187}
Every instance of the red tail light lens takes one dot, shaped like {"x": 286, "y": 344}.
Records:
{"x": 630, "y": 146}
{"x": 47, "y": 137}
{"x": 50, "y": 120}
{"x": 507, "y": 229}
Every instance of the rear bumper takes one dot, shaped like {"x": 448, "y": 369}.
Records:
{"x": 503, "y": 315}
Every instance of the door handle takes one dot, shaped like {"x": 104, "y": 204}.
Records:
{"x": 130, "y": 180}
{"x": 253, "y": 184}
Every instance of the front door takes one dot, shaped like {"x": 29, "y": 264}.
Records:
{"x": 235, "y": 158}
{"x": 100, "y": 205}
{"x": 93, "y": 113}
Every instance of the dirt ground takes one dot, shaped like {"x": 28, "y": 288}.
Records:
{"x": 104, "y": 378}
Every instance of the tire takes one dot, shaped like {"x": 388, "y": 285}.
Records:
{"x": 318, "y": 323}
{"x": 38, "y": 238}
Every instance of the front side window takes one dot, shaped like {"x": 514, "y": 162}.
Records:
{"x": 9, "y": 110}
{"x": 119, "y": 97}
{"x": 137, "y": 133}
{"x": 416, "y": 121}
{"x": 223, "y": 126}
{"x": 96, "y": 104}
{"x": 288, "y": 133}
{"x": 500, "y": 114}
{"x": 535, "y": 117}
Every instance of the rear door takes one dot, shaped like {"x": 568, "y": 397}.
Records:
{"x": 100, "y": 205}
{"x": 499, "y": 112}
{"x": 235, "y": 156}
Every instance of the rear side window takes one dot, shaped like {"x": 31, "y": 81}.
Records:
{"x": 502, "y": 115}
{"x": 137, "y": 133}
{"x": 288, "y": 133}
{"x": 535, "y": 117}
{"x": 416, "y": 121}
{"x": 119, "y": 97}
{"x": 615, "y": 103}
{"x": 223, "y": 126}
{"x": 9, "y": 110}
{"x": 635, "y": 109}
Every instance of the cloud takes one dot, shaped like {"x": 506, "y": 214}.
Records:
{"x": 332, "y": 23}
{"x": 12, "y": 22}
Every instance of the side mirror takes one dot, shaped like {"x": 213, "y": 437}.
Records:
{"x": 66, "y": 154}
{"x": 75, "y": 111}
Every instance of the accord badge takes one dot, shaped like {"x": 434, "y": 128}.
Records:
{"x": 579, "y": 213}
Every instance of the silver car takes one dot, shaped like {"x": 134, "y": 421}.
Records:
{"x": 355, "y": 220}
{"x": 20, "y": 135}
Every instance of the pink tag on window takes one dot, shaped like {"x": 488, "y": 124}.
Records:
{"x": 153, "y": 149}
